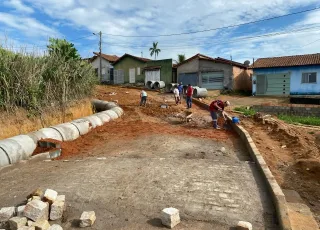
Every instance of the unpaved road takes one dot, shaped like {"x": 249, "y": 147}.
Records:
{"x": 150, "y": 163}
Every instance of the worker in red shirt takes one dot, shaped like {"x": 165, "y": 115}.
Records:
{"x": 189, "y": 96}
{"x": 217, "y": 109}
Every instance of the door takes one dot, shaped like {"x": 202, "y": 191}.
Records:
{"x": 152, "y": 75}
{"x": 188, "y": 78}
{"x": 261, "y": 85}
{"x": 212, "y": 80}
{"x": 118, "y": 76}
{"x": 273, "y": 84}
{"x": 132, "y": 75}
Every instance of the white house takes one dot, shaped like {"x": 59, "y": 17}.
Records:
{"x": 106, "y": 66}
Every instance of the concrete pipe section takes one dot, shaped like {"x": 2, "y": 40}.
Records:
{"x": 200, "y": 92}
{"x": 159, "y": 85}
{"x": 150, "y": 84}
{"x": 170, "y": 87}
{"x": 21, "y": 147}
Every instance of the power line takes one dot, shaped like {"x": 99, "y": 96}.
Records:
{"x": 219, "y": 28}
{"x": 310, "y": 43}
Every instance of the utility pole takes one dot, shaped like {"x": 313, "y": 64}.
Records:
{"x": 100, "y": 59}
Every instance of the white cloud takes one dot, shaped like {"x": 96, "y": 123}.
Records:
{"x": 18, "y": 6}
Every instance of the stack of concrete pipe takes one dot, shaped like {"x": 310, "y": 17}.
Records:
{"x": 150, "y": 84}
{"x": 159, "y": 85}
{"x": 21, "y": 147}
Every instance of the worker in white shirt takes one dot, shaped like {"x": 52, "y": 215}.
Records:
{"x": 176, "y": 95}
{"x": 143, "y": 98}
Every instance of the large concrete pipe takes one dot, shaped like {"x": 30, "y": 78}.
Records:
{"x": 13, "y": 151}
{"x": 26, "y": 143}
{"x": 103, "y": 117}
{"x": 170, "y": 87}
{"x": 159, "y": 85}
{"x": 118, "y": 111}
{"x": 68, "y": 131}
{"x": 4, "y": 158}
{"x": 94, "y": 120}
{"x": 150, "y": 84}
{"x": 44, "y": 134}
{"x": 112, "y": 114}
{"x": 83, "y": 126}
{"x": 200, "y": 92}
{"x": 103, "y": 105}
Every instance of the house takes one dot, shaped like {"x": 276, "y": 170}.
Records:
{"x": 106, "y": 66}
{"x": 214, "y": 73}
{"x": 132, "y": 69}
{"x": 287, "y": 75}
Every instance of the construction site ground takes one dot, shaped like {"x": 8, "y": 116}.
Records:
{"x": 128, "y": 170}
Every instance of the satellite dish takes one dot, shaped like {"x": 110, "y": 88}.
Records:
{"x": 247, "y": 63}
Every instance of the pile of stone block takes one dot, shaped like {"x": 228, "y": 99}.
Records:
{"x": 39, "y": 208}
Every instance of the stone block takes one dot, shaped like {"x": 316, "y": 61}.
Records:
{"x": 17, "y": 222}
{"x": 41, "y": 225}
{"x": 30, "y": 223}
{"x": 87, "y": 219}
{"x": 6, "y": 213}
{"x": 170, "y": 217}
{"x": 57, "y": 209}
{"x": 63, "y": 199}
{"x": 27, "y": 228}
{"x": 37, "y": 210}
{"x": 242, "y": 225}
{"x": 55, "y": 227}
{"x": 20, "y": 210}
{"x": 50, "y": 196}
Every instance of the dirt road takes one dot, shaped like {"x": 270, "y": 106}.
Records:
{"x": 129, "y": 170}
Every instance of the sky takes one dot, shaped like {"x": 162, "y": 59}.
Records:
{"x": 131, "y": 26}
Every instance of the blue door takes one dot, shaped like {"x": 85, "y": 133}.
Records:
{"x": 188, "y": 78}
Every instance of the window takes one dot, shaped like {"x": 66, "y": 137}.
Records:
{"x": 309, "y": 78}
{"x": 138, "y": 70}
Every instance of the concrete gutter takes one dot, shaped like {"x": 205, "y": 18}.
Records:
{"x": 278, "y": 197}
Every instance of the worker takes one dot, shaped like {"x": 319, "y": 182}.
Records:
{"x": 176, "y": 95}
{"x": 180, "y": 88}
{"x": 189, "y": 96}
{"x": 217, "y": 109}
{"x": 143, "y": 98}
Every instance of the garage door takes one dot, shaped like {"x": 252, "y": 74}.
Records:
{"x": 132, "y": 75}
{"x": 188, "y": 78}
{"x": 273, "y": 84}
{"x": 212, "y": 80}
{"x": 152, "y": 75}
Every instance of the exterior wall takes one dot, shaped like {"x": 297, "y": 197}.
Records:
{"x": 296, "y": 87}
{"x": 188, "y": 67}
{"x": 206, "y": 65}
{"x": 126, "y": 64}
{"x": 105, "y": 66}
{"x": 242, "y": 78}
{"x": 165, "y": 71}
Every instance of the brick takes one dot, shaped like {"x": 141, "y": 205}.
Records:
{"x": 57, "y": 209}
{"x": 87, "y": 219}
{"x": 41, "y": 225}
{"x": 242, "y": 225}
{"x": 20, "y": 210}
{"x": 55, "y": 227}
{"x": 170, "y": 217}
{"x": 6, "y": 213}
{"x": 17, "y": 222}
{"x": 50, "y": 196}
{"x": 37, "y": 210}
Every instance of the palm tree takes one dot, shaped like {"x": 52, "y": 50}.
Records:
{"x": 154, "y": 50}
{"x": 181, "y": 58}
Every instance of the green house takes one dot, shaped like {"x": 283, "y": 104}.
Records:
{"x": 132, "y": 69}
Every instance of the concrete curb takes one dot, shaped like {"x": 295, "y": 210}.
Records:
{"x": 277, "y": 194}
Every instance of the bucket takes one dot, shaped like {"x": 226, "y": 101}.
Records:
{"x": 235, "y": 120}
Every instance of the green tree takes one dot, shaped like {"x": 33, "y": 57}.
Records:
{"x": 181, "y": 58}
{"x": 63, "y": 48}
{"x": 154, "y": 50}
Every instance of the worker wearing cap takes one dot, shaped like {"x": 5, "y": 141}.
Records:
{"x": 180, "y": 88}
{"x": 189, "y": 96}
{"x": 217, "y": 109}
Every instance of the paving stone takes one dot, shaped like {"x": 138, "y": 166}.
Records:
{"x": 63, "y": 199}
{"x": 37, "y": 210}
{"x": 20, "y": 210}
{"x": 55, "y": 227}
{"x": 243, "y": 225}
{"x": 17, "y": 222}
{"x": 87, "y": 219}
{"x": 6, "y": 213}
{"x": 50, "y": 195}
{"x": 27, "y": 228}
{"x": 57, "y": 209}
{"x": 41, "y": 225}
{"x": 30, "y": 223}
{"x": 170, "y": 217}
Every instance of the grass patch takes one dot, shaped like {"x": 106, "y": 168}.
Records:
{"x": 300, "y": 120}
{"x": 245, "y": 111}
